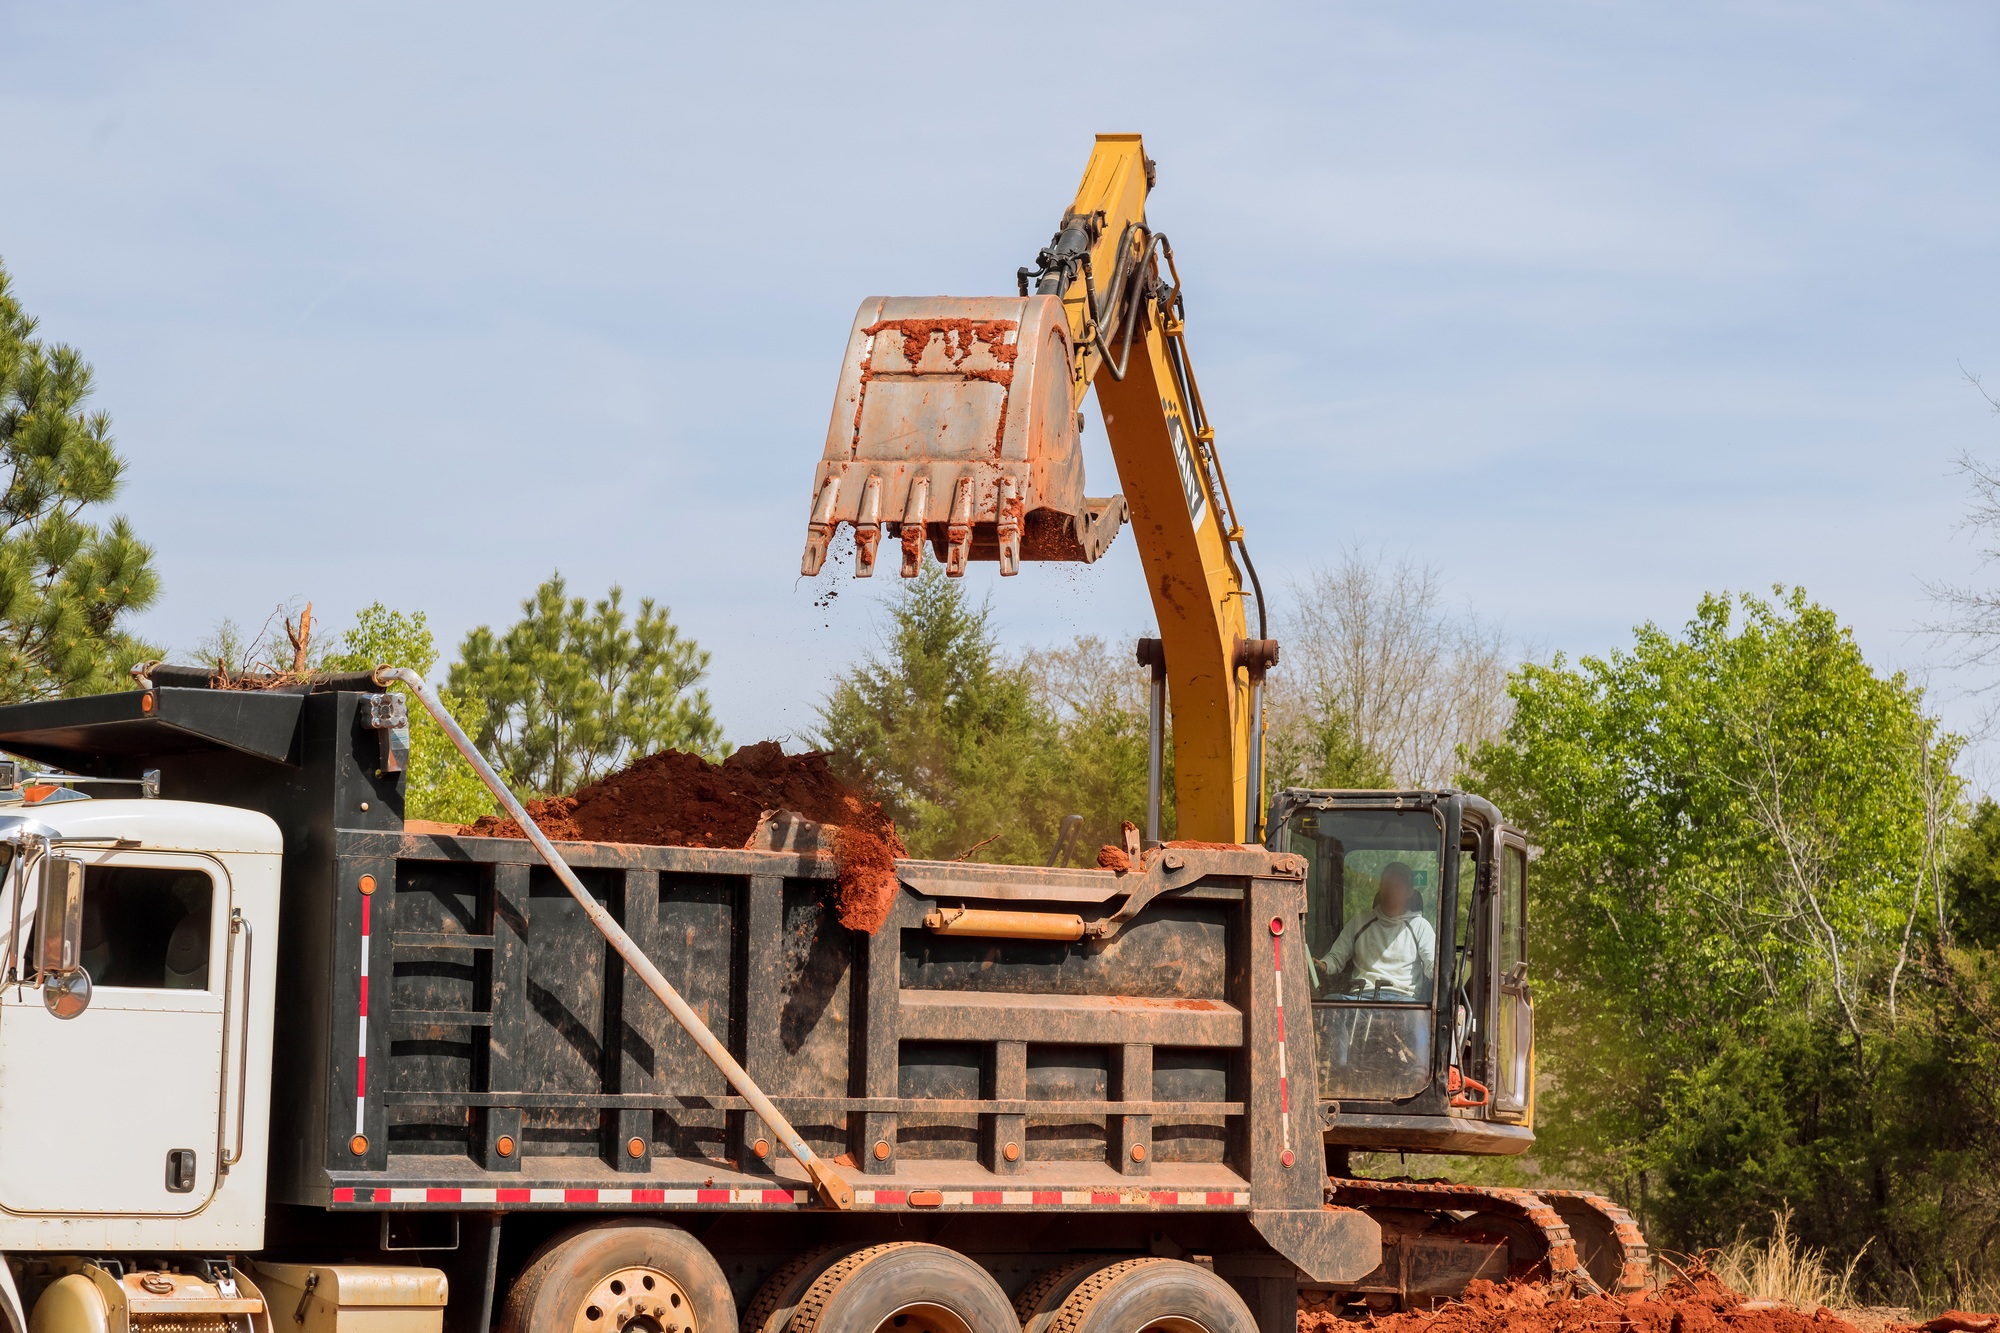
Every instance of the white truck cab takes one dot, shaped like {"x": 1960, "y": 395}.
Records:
{"x": 137, "y": 1111}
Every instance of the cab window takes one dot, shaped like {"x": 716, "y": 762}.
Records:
{"x": 1513, "y": 909}
{"x": 1372, "y": 894}
{"x": 147, "y": 927}
{"x": 1372, "y": 903}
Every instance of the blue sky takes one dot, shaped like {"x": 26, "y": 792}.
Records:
{"x": 1593, "y": 306}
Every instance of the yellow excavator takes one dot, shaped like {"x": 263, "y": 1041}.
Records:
{"x": 956, "y": 426}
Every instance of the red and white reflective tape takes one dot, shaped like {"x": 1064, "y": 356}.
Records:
{"x": 1065, "y": 1198}
{"x": 1278, "y": 1007}
{"x": 767, "y": 1198}
{"x": 361, "y": 1039}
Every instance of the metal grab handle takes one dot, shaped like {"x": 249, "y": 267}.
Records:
{"x": 237, "y": 921}
{"x": 833, "y": 1191}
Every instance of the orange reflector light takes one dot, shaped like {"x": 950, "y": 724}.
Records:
{"x": 504, "y": 1145}
{"x": 358, "y": 1145}
{"x": 368, "y": 884}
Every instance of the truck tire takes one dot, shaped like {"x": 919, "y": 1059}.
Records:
{"x": 1153, "y": 1295}
{"x": 770, "y": 1310}
{"x": 904, "y": 1287}
{"x": 1039, "y": 1302}
{"x": 621, "y": 1276}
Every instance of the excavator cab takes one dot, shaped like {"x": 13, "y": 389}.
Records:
{"x": 955, "y": 423}
{"x": 1416, "y": 932}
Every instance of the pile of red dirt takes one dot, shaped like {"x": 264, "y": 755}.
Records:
{"x": 1700, "y": 1305}
{"x": 672, "y": 799}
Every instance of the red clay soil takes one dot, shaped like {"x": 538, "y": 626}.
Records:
{"x": 672, "y": 799}
{"x": 1701, "y": 1306}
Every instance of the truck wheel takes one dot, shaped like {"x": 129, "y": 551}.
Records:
{"x": 1153, "y": 1296}
{"x": 904, "y": 1287}
{"x": 621, "y": 1277}
{"x": 778, "y": 1296}
{"x": 1037, "y": 1305}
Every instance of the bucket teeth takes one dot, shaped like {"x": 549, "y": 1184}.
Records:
{"x": 958, "y": 533}
{"x": 819, "y": 532}
{"x": 868, "y": 528}
{"x": 913, "y": 526}
{"x": 1007, "y": 527}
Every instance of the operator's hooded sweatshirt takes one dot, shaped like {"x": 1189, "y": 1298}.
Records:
{"x": 1389, "y": 952}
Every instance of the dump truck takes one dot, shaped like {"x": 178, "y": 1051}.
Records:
{"x": 270, "y": 1057}
{"x": 273, "y": 1058}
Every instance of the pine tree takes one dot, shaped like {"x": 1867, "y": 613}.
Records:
{"x": 942, "y": 729}
{"x": 67, "y": 585}
{"x": 574, "y": 691}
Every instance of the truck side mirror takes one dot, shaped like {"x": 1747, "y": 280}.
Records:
{"x": 59, "y": 937}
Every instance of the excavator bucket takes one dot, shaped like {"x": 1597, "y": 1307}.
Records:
{"x": 955, "y": 422}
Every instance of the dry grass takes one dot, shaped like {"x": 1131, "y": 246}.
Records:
{"x": 1785, "y": 1269}
{"x": 1962, "y": 1291}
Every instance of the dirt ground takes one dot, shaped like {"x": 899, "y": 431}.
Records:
{"x": 673, "y": 799}
{"x": 1699, "y": 1305}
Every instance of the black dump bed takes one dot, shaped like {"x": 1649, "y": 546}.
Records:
{"x": 453, "y": 1033}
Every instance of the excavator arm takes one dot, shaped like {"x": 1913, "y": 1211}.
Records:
{"x": 957, "y": 423}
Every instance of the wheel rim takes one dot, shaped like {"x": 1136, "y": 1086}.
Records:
{"x": 923, "y": 1317}
{"x": 636, "y": 1300}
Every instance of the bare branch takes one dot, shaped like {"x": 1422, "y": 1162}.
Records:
{"x": 1373, "y": 642}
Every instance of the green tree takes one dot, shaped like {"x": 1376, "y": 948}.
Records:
{"x": 1096, "y": 698}
{"x": 944, "y": 731}
{"x": 439, "y": 784}
{"x": 1738, "y": 830}
{"x": 68, "y": 586}
{"x": 1318, "y": 747}
{"x": 1972, "y": 879}
{"x": 573, "y": 690}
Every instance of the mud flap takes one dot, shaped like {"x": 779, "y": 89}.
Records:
{"x": 1330, "y": 1245}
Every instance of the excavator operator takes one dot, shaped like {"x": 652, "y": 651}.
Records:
{"x": 1388, "y": 952}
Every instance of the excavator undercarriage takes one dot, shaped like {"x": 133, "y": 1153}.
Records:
{"x": 1437, "y": 1237}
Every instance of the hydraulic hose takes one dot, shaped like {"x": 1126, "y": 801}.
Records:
{"x": 833, "y": 1191}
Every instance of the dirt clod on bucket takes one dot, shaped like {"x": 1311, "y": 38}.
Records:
{"x": 672, "y": 799}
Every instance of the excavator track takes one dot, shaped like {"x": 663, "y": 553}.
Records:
{"x": 1607, "y": 1238}
{"x": 1439, "y": 1237}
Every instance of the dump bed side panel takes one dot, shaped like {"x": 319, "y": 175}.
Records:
{"x": 481, "y": 1044}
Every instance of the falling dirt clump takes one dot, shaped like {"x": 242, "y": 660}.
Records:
{"x": 674, "y": 799}
{"x": 1699, "y": 1305}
